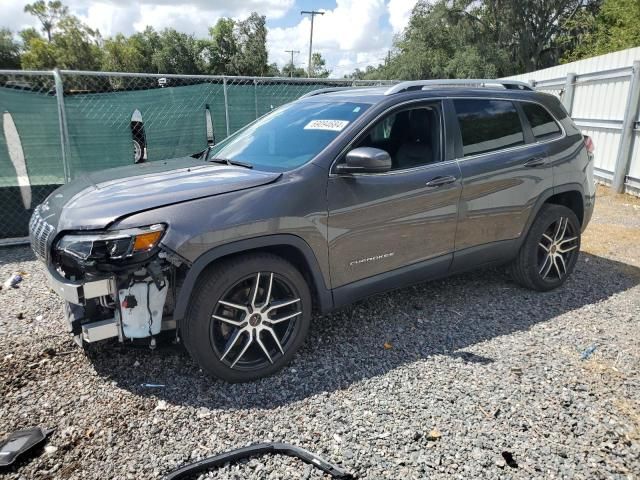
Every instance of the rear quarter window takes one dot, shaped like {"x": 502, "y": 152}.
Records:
{"x": 543, "y": 125}
{"x": 488, "y": 125}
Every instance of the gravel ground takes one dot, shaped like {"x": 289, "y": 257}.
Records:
{"x": 478, "y": 379}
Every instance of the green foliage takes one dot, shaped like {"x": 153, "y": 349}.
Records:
{"x": 444, "y": 39}
{"x": 234, "y": 47}
{"x": 614, "y": 26}
{"x": 483, "y": 38}
{"x": 318, "y": 66}
{"x": 222, "y": 49}
{"x": 251, "y": 41}
{"x": 292, "y": 71}
{"x": 73, "y": 45}
{"x": 9, "y": 50}
{"x": 273, "y": 70}
{"x": 177, "y": 53}
{"x": 48, "y": 13}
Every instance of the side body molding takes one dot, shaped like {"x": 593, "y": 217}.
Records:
{"x": 324, "y": 295}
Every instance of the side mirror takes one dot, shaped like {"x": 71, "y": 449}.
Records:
{"x": 365, "y": 160}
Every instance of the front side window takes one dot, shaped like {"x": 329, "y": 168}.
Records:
{"x": 412, "y": 137}
{"x": 488, "y": 125}
{"x": 543, "y": 125}
{"x": 289, "y": 136}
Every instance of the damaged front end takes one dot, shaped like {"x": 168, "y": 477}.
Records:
{"x": 119, "y": 283}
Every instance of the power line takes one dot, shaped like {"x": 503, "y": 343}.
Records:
{"x": 292, "y": 52}
{"x": 313, "y": 13}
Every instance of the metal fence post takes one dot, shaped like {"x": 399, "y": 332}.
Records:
{"x": 569, "y": 89}
{"x": 226, "y": 104}
{"x": 62, "y": 120}
{"x": 255, "y": 95}
{"x": 630, "y": 116}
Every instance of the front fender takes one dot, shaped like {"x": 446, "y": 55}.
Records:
{"x": 324, "y": 296}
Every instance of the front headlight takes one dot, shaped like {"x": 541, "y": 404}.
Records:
{"x": 114, "y": 245}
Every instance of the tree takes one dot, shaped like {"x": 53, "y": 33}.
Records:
{"x": 77, "y": 46}
{"x": 48, "y": 13}
{"x": 73, "y": 46}
{"x": 222, "y": 49}
{"x": 446, "y": 40}
{"x": 132, "y": 54}
{"x": 39, "y": 54}
{"x": 318, "y": 69}
{"x": 251, "y": 40}
{"x": 536, "y": 26}
{"x": 482, "y": 38}
{"x": 273, "y": 70}
{"x": 614, "y": 26}
{"x": 9, "y": 50}
{"x": 290, "y": 70}
{"x": 177, "y": 53}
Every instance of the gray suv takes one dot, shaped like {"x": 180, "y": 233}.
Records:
{"x": 339, "y": 195}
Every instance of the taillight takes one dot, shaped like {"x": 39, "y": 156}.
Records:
{"x": 588, "y": 142}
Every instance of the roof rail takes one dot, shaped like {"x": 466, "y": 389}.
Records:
{"x": 320, "y": 91}
{"x": 458, "y": 82}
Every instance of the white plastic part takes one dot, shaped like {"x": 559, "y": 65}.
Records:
{"x": 137, "y": 322}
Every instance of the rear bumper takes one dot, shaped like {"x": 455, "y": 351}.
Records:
{"x": 79, "y": 292}
{"x": 589, "y": 206}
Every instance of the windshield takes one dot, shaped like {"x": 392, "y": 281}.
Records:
{"x": 289, "y": 136}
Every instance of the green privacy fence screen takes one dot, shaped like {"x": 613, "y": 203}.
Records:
{"x": 57, "y": 125}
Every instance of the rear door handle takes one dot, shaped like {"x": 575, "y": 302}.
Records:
{"x": 439, "y": 181}
{"x": 536, "y": 162}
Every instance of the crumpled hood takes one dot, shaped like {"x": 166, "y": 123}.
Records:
{"x": 95, "y": 200}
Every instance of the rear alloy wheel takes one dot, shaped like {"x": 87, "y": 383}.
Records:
{"x": 248, "y": 317}
{"x": 550, "y": 251}
{"x": 555, "y": 250}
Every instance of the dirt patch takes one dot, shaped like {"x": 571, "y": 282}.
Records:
{"x": 615, "y": 231}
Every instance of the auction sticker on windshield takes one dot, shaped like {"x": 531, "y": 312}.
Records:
{"x": 333, "y": 125}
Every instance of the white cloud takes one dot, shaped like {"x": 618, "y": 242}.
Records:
{"x": 12, "y": 15}
{"x": 127, "y": 16}
{"x": 353, "y": 34}
{"x": 399, "y": 13}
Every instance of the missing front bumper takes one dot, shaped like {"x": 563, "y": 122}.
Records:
{"x": 79, "y": 292}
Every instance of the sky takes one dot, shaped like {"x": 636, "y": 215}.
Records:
{"x": 351, "y": 34}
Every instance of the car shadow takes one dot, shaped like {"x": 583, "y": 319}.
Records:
{"x": 435, "y": 318}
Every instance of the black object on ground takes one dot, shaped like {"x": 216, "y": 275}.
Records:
{"x": 259, "y": 449}
{"x": 508, "y": 458}
{"x": 19, "y": 442}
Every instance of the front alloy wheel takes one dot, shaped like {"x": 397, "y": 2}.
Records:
{"x": 248, "y": 317}
{"x": 255, "y": 321}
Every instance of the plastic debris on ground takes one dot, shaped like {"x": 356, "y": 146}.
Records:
{"x": 586, "y": 353}
{"x": 13, "y": 281}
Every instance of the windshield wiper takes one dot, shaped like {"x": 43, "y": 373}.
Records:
{"x": 203, "y": 155}
{"x": 227, "y": 161}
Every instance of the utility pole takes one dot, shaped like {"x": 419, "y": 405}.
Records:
{"x": 292, "y": 52}
{"x": 313, "y": 13}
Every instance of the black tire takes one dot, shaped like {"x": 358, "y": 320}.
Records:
{"x": 138, "y": 151}
{"x": 215, "y": 344}
{"x": 529, "y": 267}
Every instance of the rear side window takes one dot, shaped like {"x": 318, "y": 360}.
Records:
{"x": 542, "y": 123}
{"x": 488, "y": 125}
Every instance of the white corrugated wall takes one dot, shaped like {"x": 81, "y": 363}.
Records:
{"x": 601, "y": 95}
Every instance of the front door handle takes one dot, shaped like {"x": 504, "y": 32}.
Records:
{"x": 439, "y": 181}
{"x": 536, "y": 162}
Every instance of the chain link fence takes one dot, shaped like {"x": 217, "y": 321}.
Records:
{"x": 57, "y": 125}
